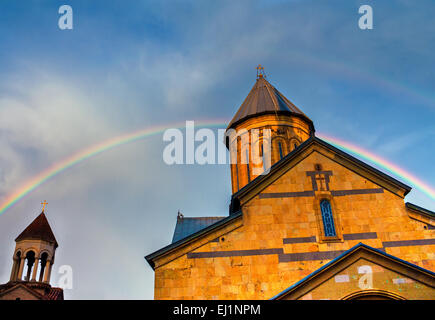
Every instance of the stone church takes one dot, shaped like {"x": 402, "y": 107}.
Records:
{"x": 320, "y": 225}
{"x": 32, "y": 263}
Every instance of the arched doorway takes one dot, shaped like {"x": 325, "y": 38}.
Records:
{"x": 373, "y": 295}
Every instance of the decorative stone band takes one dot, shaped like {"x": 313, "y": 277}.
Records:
{"x": 286, "y": 194}
{"x": 306, "y": 256}
{"x": 299, "y": 240}
{"x": 404, "y": 243}
{"x": 360, "y": 236}
{"x": 336, "y": 193}
{"x": 234, "y": 253}
{"x": 346, "y": 236}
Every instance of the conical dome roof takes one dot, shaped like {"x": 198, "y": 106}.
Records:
{"x": 39, "y": 229}
{"x": 264, "y": 99}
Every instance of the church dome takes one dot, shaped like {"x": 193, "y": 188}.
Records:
{"x": 266, "y": 99}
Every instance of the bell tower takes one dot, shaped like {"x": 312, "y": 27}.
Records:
{"x": 34, "y": 252}
{"x": 264, "y": 108}
{"x": 32, "y": 263}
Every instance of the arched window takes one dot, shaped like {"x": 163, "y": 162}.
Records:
{"x": 263, "y": 156}
{"x": 238, "y": 160}
{"x": 44, "y": 257}
{"x": 328, "y": 220}
{"x": 30, "y": 258}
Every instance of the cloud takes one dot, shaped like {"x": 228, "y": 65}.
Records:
{"x": 128, "y": 67}
{"x": 395, "y": 145}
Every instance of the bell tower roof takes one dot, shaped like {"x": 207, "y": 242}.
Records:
{"x": 39, "y": 229}
{"x": 266, "y": 99}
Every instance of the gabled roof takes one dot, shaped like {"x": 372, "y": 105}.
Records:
{"x": 39, "y": 229}
{"x": 47, "y": 292}
{"x": 7, "y": 289}
{"x": 304, "y": 146}
{"x": 420, "y": 209}
{"x": 427, "y": 274}
{"x": 266, "y": 99}
{"x": 181, "y": 237}
{"x": 189, "y": 225}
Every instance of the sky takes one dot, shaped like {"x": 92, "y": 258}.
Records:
{"x": 131, "y": 65}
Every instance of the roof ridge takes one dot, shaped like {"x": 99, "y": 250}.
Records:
{"x": 272, "y": 96}
{"x": 305, "y": 144}
{"x": 184, "y": 217}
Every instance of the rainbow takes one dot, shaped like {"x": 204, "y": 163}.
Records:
{"x": 109, "y": 144}
{"x": 92, "y": 151}
{"x": 389, "y": 166}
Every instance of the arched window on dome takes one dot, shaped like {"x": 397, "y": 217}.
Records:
{"x": 327, "y": 218}
{"x": 263, "y": 156}
{"x": 238, "y": 160}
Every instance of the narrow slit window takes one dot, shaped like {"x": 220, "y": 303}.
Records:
{"x": 280, "y": 150}
{"x": 247, "y": 164}
{"x": 263, "y": 158}
{"x": 237, "y": 177}
{"x": 328, "y": 219}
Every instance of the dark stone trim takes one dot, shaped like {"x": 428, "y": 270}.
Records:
{"x": 403, "y": 243}
{"x": 299, "y": 240}
{"x": 286, "y": 194}
{"x": 305, "y": 256}
{"x": 338, "y": 193}
{"x": 234, "y": 253}
{"x": 360, "y": 236}
{"x": 312, "y": 175}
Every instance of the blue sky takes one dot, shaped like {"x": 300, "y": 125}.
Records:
{"x": 128, "y": 65}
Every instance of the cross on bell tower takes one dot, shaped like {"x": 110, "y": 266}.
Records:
{"x": 43, "y": 205}
{"x": 260, "y": 71}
